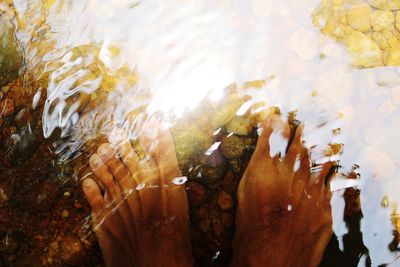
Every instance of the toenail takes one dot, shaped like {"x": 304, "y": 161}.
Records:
{"x": 103, "y": 150}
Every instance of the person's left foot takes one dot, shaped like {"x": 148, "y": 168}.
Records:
{"x": 139, "y": 207}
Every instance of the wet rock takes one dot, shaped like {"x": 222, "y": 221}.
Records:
{"x": 22, "y": 118}
{"x": 10, "y": 59}
{"x": 201, "y": 213}
{"x": 358, "y": 17}
{"x": 239, "y": 126}
{"x": 232, "y": 147}
{"x": 225, "y": 201}
{"x": 217, "y": 226}
{"x": 6, "y": 107}
{"x": 72, "y": 251}
{"x": 394, "y": 57}
{"x": 381, "y": 19}
{"x": 227, "y": 220}
{"x": 190, "y": 140}
{"x": 211, "y": 176}
{"x": 237, "y": 166}
{"x": 364, "y": 52}
{"x": 21, "y": 145}
{"x": 385, "y": 4}
{"x": 215, "y": 159}
{"x": 230, "y": 182}
{"x": 204, "y": 225}
{"x": 196, "y": 193}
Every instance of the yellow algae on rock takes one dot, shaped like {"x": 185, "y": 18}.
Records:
{"x": 358, "y": 17}
{"x": 364, "y": 52}
{"x": 381, "y": 19}
{"x": 385, "y": 4}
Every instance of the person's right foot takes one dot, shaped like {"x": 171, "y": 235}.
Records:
{"x": 141, "y": 218}
{"x": 284, "y": 213}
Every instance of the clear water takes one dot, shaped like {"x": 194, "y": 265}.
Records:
{"x": 166, "y": 57}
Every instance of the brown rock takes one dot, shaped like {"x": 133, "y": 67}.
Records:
{"x": 227, "y": 220}
{"x": 225, "y": 201}
{"x": 196, "y": 193}
{"x": 72, "y": 251}
{"x": 6, "y": 107}
{"x": 204, "y": 225}
{"x": 217, "y": 226}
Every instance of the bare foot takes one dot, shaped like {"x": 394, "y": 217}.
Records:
{"x": 284, "y": 214}
{"x": 141, "y": 216}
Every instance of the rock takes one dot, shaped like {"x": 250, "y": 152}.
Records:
{"x": 225, "y": 201}
{"x": 239, "y": 126}
{"x": 217, "y": 226}
{"x": 212, "y": 175}
{"x": 358, "y": 17}
{"x": 196, "y": 193}
{"x": 364, "y": 52}
{"x": 10, "y": 59}
{"x": 381, "y": 19}
{"x": 394, "y": 57}
{"x": 21, "y": 145}
{"x": 6, "y": 107}
{"x": 227, "y": 220}
{"x": 22, "y": 118}
{"x": 72, "y": 251}
{"x": 385, "y": 4}
{"x": 204, "y": 225}
{"x": 232, "y": 147}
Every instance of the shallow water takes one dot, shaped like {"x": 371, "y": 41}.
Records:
{"x": 165, "y": 58}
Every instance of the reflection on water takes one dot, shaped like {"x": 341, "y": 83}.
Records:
{"x": 99, "y": 65}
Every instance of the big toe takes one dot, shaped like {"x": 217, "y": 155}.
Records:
{"x": 93, "y": 194}
{"x": 274, "y": 137}
{"x": 104, "y": 176}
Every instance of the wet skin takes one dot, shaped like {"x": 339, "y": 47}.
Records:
{"x": 284, "y": 214}
{"x": 141, "y": 217}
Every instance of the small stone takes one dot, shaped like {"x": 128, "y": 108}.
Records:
{"x": 72, "y": 251}
{"x": 381, "y": 19}
{"x": 227, "y": 220}
{"x": 204, "y": 225}
{"x": 196, "y": 193}
{"x": 22, "y": 118}
{"x": 232, "y": 147}
{"x": 6, "y": 107}
{"x": 201, "y": 213}
{"x": 385, "y": 202}
{"x": 65, "y": 213}
{"x": 358, "y": 17}
{"x": 225, "y": 201}
{"x": 217, "y": 226}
